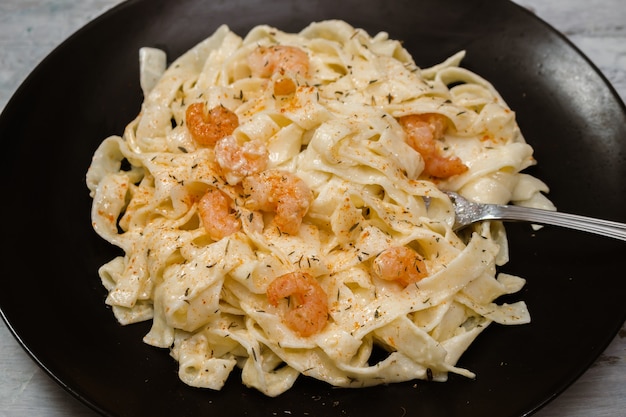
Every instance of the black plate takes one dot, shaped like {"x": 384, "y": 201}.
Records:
{"x": 88, "y": 88}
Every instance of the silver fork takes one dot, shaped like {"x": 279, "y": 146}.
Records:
{"x": 468, "y": 212}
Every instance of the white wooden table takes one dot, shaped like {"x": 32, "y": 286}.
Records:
{"x": 30, "y": 29}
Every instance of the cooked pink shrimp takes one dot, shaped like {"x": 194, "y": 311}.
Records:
{"x": 306, "y": 310}
{"x": 284, "y": 87}
{"x": 207, "y": 128}
{"x": 401, "y": 264}
{"x": 239, "y": 161}
{"x": 288, "y": 61}
{"x": 281, "y": 192}
{"x": 422, "y": 131}
{"x": 218, "y": 218}
{"x": 267, "y": 60}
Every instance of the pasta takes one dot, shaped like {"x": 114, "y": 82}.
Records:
{"x": 279, "y": 204}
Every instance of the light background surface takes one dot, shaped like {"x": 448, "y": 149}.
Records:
{"x": 31, "y": 29}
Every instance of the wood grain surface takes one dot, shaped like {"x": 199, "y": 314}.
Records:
{"x": 30, "y": 29}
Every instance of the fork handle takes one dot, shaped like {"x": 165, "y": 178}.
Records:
{"x": 573, "y": 221}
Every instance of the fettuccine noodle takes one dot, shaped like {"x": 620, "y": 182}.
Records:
{"x": 279, "y": 204}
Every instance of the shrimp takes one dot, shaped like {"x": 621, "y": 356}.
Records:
{"x": 238, "y": 161}
{"x": 306, "y": 311}
{"x": 207, "y": 128}
{"x": 281, "y": 192}
{"x": 218, "y": 219}
{"x": 401, "y": 264}
{"x": 288, "y": 61}
{"x": 267, "y": 60}
{"x": 422, "y": 131}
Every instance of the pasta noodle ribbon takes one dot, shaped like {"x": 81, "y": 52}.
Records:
{"x": 281, "y": 167}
